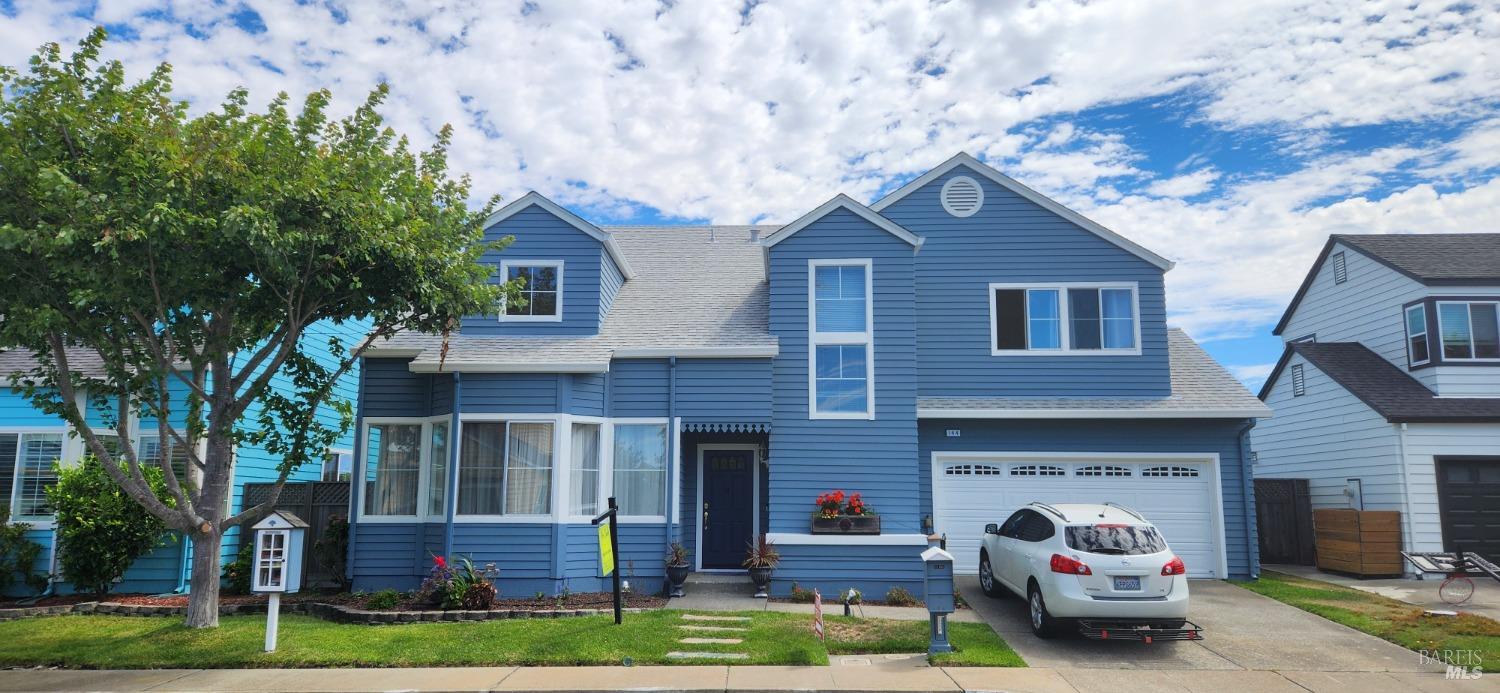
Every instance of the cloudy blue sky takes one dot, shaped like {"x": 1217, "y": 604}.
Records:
{"x": 1232, "y": 137}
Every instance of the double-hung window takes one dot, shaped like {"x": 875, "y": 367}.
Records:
{"x": 541, "y": 287}
{"x": 405, "y": 471}
{"x": 505, "y": 468}
{"x": 28, "y": 460}
{"x": 639, "y": 480}
{"x": 1064, "y": 319}
{"x": 1469, "y": 330}
{"x": 1417, "y": 350}
{"x": 841, "y": 340}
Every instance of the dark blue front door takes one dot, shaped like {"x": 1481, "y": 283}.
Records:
{"x": 728, "y": 506}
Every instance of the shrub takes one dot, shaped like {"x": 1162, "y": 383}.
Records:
{"x": 237, "y": 573}
{"x": 18, "y": 555}
{"x": 464, "y": 587}
{"x": 801, "y": 596}
{"x": 100, "y": 529}
{"x": 898, "y": 596}
{"x": 384, "y": 599}
{"x": 331, "y": 551}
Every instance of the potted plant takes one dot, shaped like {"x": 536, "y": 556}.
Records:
{"x": 837, "y": 514}
{"x": 677, "y": 567}
{"x": 760, "y": 557}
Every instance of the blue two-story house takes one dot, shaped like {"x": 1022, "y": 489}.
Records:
{"x": 961, "y": 347}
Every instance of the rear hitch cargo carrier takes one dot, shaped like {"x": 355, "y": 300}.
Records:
{"x": 1136, "y": 630}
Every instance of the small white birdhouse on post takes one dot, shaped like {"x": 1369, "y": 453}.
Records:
{"x": 279, "y": 540}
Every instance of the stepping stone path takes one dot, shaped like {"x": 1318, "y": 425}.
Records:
{"x": 720, "y": 625}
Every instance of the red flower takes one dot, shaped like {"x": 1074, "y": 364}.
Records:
{"x": 440, "y": 562}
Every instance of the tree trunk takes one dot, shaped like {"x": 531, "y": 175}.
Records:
{"x": 203, "y": 599}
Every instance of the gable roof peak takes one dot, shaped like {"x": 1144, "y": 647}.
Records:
{"x": 967, "y": 160}
{"x": 842, "y": 201}
{"x": 536, "y": 199}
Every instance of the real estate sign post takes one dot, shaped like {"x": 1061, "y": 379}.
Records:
{"x": 608, "y": 548}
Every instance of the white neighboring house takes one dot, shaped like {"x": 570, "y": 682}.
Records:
{"x": 1387, "y": 396}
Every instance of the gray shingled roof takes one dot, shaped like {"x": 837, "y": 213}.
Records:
{"x": 1199, "y": 386}
{"x": 1433, "y": 257}
{"x": 695, "y": 287}
{"x": 86, "y": 362}
{"x": 1387, "y": 389}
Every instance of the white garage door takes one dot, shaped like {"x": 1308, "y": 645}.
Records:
{"x": 1177, "y": 496}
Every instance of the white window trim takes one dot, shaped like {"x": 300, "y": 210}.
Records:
{"x": 1406, "y": 323}
{"x": 338, "y": 451}
{"x": 1438, "y": 306}
{"x": 1066, "y": 348}
{"x": 36, "y": 521}
{"x": 360, "y": 467}
{"x": 607, "y": 478}
{"x": 560, "y": 445}
{"x": 816, "y": 339}
{"x": 505, "y": 266}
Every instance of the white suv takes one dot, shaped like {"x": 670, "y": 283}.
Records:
{"x": 1084, "y": 561}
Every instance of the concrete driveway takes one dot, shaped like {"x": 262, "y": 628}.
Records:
{"x": 1421, "y": 592}
{"x": 1242, "y": 630}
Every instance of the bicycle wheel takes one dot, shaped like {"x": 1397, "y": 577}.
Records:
{"x": 1457, "y": 589}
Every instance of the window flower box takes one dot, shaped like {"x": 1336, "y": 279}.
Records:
{"x": 845, "y": 524}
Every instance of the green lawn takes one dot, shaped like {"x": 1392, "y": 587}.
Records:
{"x": 1389, "y": 619}
{"x": 124, "y": 642}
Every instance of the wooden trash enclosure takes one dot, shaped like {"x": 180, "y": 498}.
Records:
{"x": 1360, "y": 542}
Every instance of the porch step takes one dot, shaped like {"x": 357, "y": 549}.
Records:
{"x": 715, "y": 629}
{"x": 710, "y": 641}
{"x": 735, "y": 578}
{"x": 707, "y": 655}
{"x": 697, "y": 617}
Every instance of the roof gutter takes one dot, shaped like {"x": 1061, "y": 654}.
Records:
{"x": 937, "y": 413}
{"x": 503, "y": 367}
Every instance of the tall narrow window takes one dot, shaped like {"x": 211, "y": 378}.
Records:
{"x": 481, "y": 468}
{"x": 541, "y": 288}
{"x": 528, "y": 469}
{"x": 1416, "y": 335}
{"x": 1485, "y": 323}
{"x": 640, "y": 474}
{"x": 841, "y": 344}
{"x": 583, "y": 470}
{"x": 1117, "y": 311}
{"x": 35, "y": 473}
{"x": 1043, "y": 319}
{"x": 437, "y": 464}
{"x": 9, "y": 444}
{"x": 393, "y": 469}
{"x": 1083, "y": 318}
{"x": 1010, "y": 318}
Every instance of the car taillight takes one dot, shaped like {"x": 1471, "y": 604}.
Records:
{"x": 1174, "y": 567}
{"x": 1070, "y": 566}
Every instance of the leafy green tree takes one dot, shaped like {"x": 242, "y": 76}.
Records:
{"x": 100, "y": 529}
{"x": 147, "y": 250}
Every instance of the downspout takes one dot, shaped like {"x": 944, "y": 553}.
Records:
{"x": 1407, "y": 540}
{"x": 449, "y": 500}
{"x": 185, "y": 566}
{"x": 356, "y": 473}
{"x": 673, "y": 455}
{"x": 1247, "y": 491}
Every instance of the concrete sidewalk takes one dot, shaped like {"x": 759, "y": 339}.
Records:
{"x": 860, "y": 673}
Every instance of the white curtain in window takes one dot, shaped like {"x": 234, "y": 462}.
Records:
{"x": 481, "y": 468}
{"x": 640, "y": 478}
{"x": 393, "y": 469}
{"x": 583, "y": 496}
{"x": 437, "y": 479}
{"x": 528, "y": 469}
{"x": 35, "y": 473}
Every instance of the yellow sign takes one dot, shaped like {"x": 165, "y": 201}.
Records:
{"x": 606, "y": 552}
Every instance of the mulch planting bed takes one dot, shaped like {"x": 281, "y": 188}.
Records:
{"x": 578, "y": 600}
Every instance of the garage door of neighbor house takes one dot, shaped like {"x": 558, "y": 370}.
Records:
{"x": 1469, "y": 501}
{"x": 1179, "y": 496}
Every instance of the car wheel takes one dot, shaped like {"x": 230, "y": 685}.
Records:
{"x": 987, "y": 580}
{"x": 1043, "y": 625}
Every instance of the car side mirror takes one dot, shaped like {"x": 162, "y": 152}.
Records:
{"x": 992, "y": 528}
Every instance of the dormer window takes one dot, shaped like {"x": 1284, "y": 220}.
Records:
{"x": 1064, "y": 319}
{"x": 542, "y": 282}
{"x": 1469, "y": 330}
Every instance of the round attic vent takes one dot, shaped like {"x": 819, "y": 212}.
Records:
{"x": 962, "y": 196}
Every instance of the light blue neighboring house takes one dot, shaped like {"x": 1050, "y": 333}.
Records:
{"x": 961, "y": 347}
{"x": 31, "y": 441}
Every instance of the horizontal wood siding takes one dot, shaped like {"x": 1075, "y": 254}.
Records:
{"x": 610, "y": 281}
{"x": 16, "y": 410}
{"x": 724, "y": 390}
{"x": 511, "y": 392}
{"x": 875, "y": 458}
{"x": 391, "y": 389}
{"x": 1011, "y": 239}
{"x": 385, "y": 555}
{"x": 442, "y": 393}
{"x": 638, "y": 387}
{"x": 1097, "y": 436}
{"x": 1424, "y": 443}
{"x": 541, "y": 236}
{"x": 587, "y": 395}
{"x": 873, "y": 570}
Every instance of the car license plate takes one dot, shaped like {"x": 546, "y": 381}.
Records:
{"x": 1127, "y": 583}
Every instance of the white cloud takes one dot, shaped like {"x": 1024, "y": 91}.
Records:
{"x": 1253, "y": 375}
{"x": 695, "y": 110}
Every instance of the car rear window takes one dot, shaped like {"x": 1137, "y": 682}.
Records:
{"x": 1117, "y": 540}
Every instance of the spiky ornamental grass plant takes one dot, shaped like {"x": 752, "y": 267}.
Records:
{"x": 193, "y": 253}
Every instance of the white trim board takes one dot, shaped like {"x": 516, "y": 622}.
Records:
{"x": 845, "y": 202}
{"x": 1064, "y": 318}
{"x": 798, "y": 539}
{"x": 503, "y": 367}
{"x": 535, "y": 198}
{"x": 754, "y": 451}
{"x": 1004, "y": 181}
{"x": 557, "y": 316}
{"x": 816, "y": 339}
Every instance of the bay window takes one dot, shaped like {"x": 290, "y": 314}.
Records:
{"x": 1064, "y": 319}
{"x": 505, "y": 468}
{"x": 583, "y": 470}
{"x": 640, "y": 469}
{"x": 405, "y": 468}
{"x": 841, "y": 349}
{"x": 1417, "y": 350}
